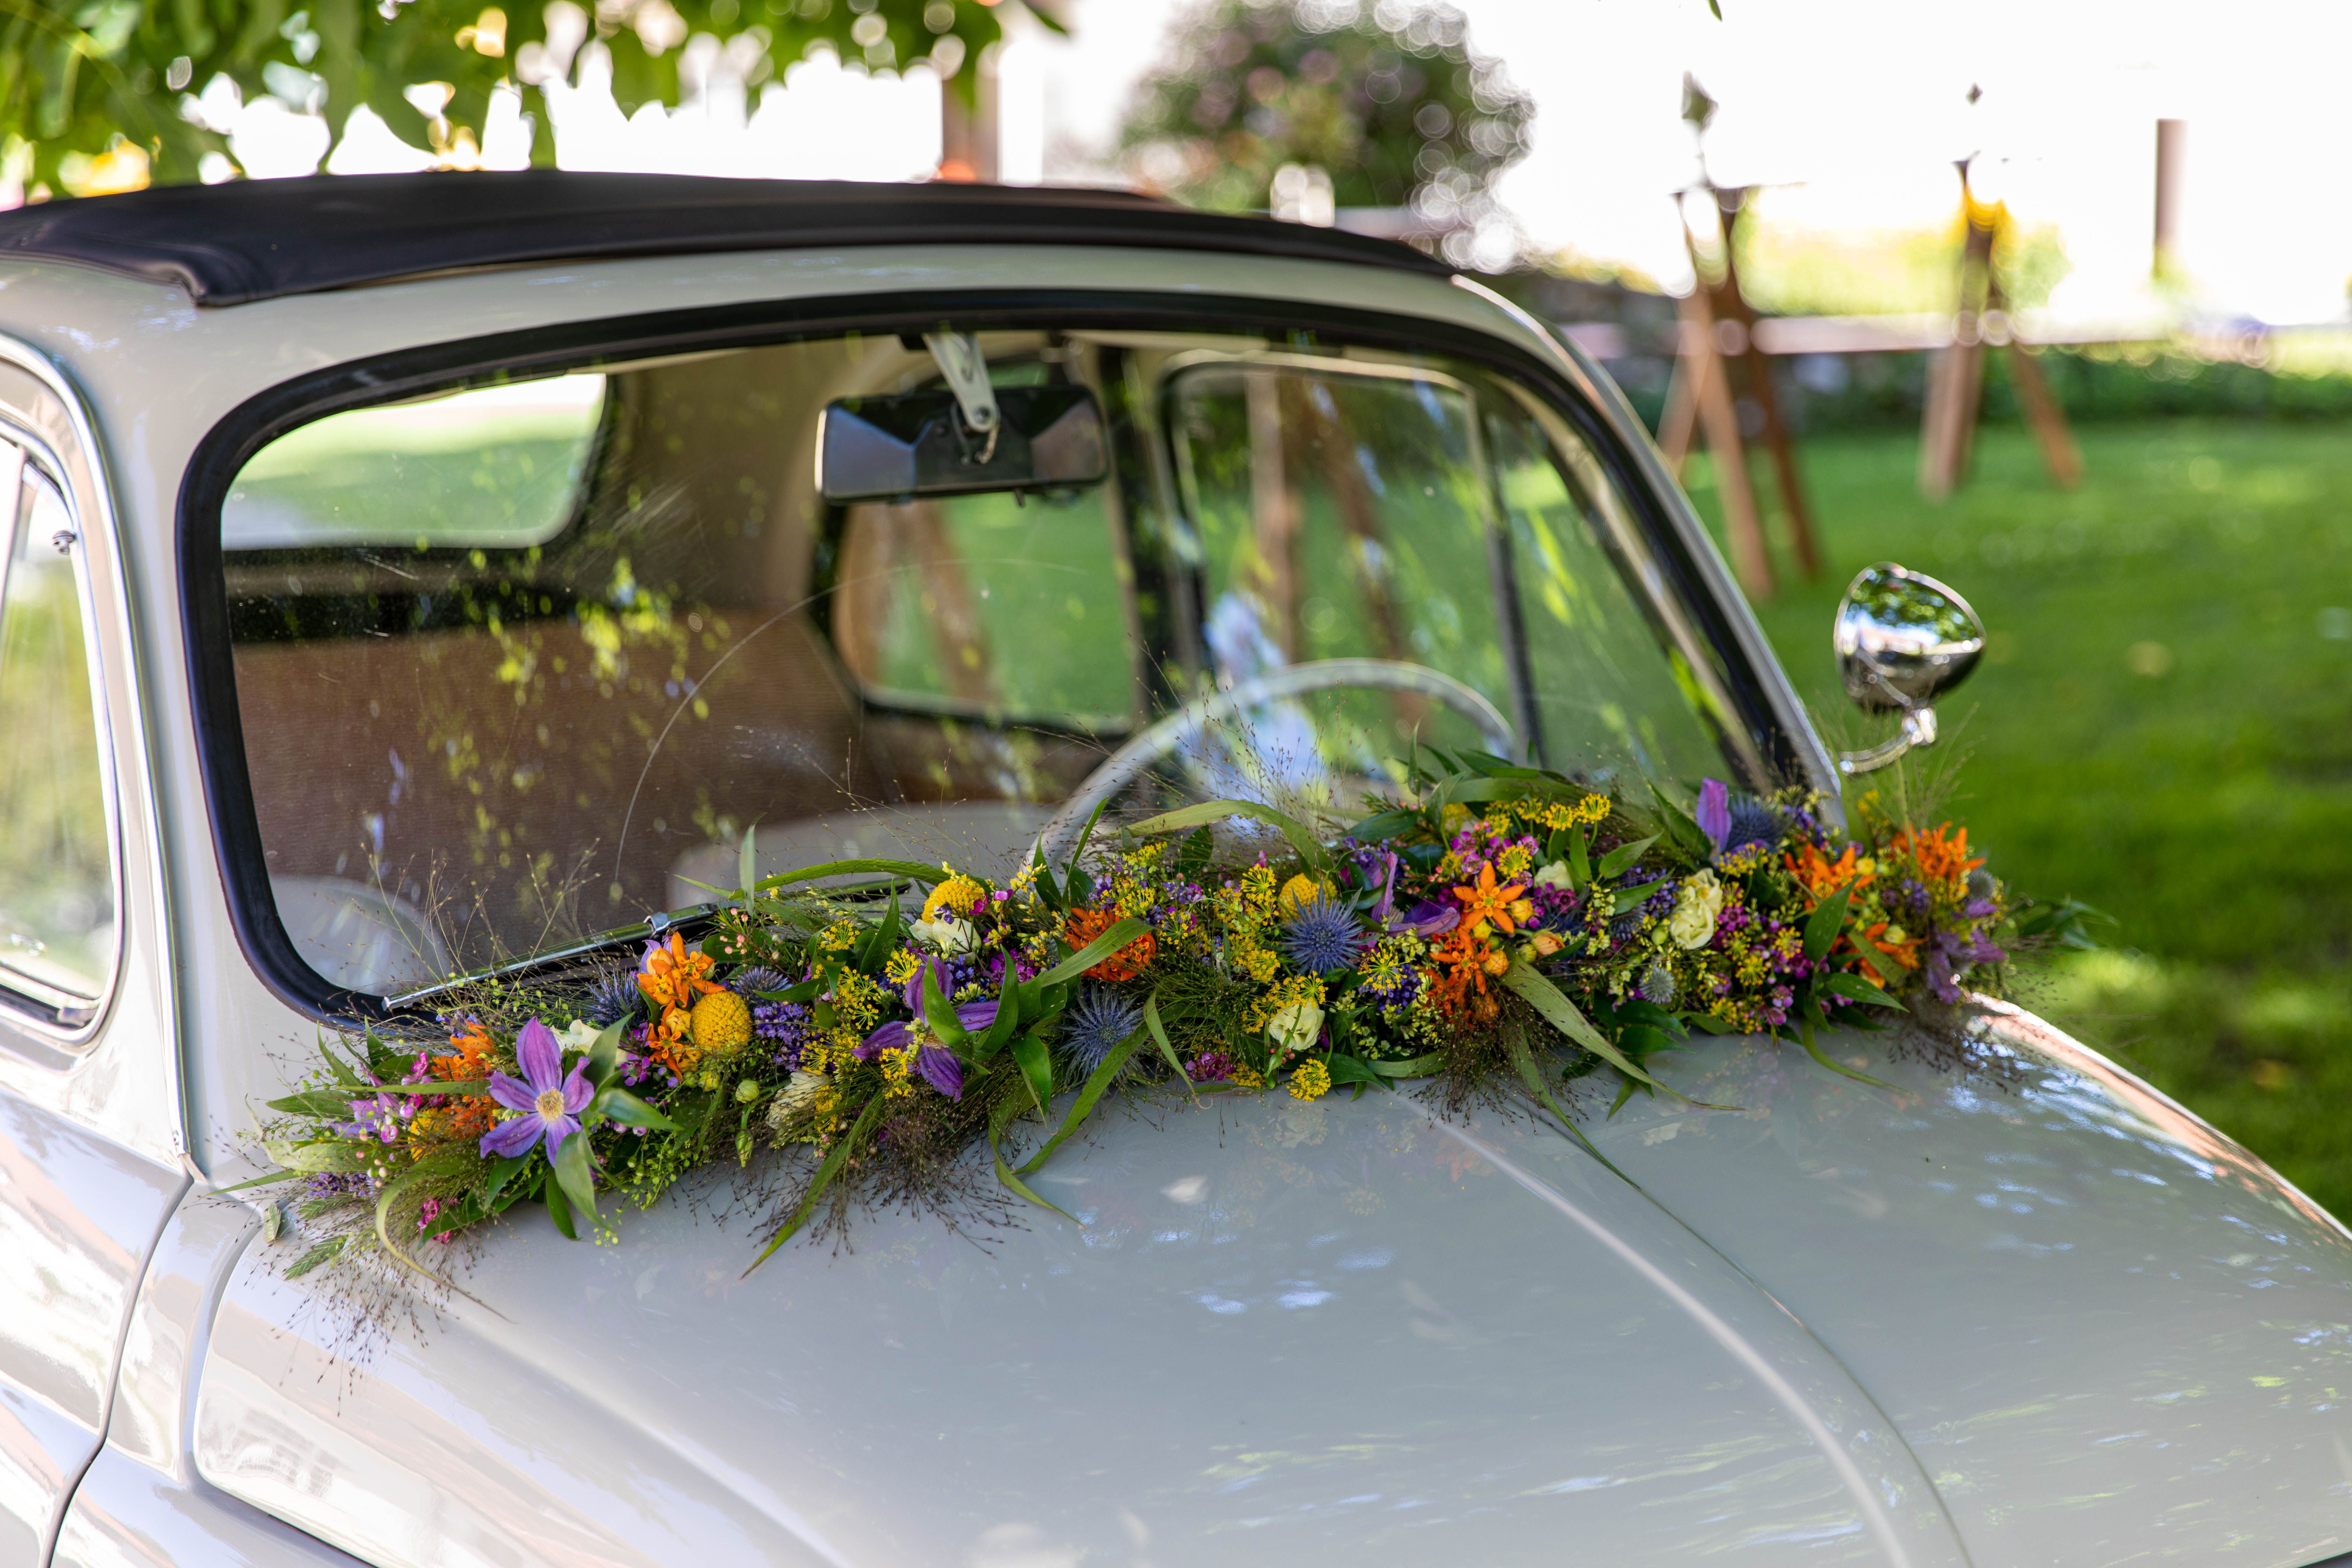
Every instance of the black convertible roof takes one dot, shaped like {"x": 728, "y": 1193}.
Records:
{"x": 260, "y": 239}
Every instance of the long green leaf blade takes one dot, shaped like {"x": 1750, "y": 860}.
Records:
{"x": 1302, "y": 838}
{"x": 1821, "y": 926}
{"x": 576, "y": 1176}
{"x": 997, "y": 1122}
{"x": 1036, "y": 1065}
{"x": 928, "y": 875}
{"x": 826, "y": 1174}
{"x": 1121, "y": 933}
{"x": 1096, "y": 1083}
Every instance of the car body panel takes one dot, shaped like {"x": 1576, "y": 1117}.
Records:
{"x": 90, "y": 1141}
{"x": 1341, "y": 1333}
{"x": 2109, "y": 1333}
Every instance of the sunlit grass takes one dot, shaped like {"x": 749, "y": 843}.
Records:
{"x": 2160, "y": 729}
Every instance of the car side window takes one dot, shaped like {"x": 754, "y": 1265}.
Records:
{"x": 57, "y": 862}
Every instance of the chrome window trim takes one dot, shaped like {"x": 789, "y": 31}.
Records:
{"x": 69, "y": 452}
{"x": 1739, "y": 616}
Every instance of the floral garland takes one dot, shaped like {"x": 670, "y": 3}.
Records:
{"x": 1490, "y": 925}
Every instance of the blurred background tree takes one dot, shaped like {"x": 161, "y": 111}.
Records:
{"x": 106, "y": 95}
{"x": 1366, "y": 105}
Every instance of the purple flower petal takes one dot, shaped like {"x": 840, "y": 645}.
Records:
{"x": 541, "y": 1056}
{"x": 939, "y": 978}
{"x": 940, "y": 1071}
{"x": 577, "y": 1090}
{"x": 1430, "y": 918}
{"x": 512, "y": 1138}
{"x": 559, "y": 1128}
{"x": 890, "y": 1037}
{"x": 511, "y": 1092}
{"x": 976, "y": 1016}
{"x": 1715, "y": 811}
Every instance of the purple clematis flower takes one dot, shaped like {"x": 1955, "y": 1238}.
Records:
{"x": 975, "y": 1017}
{"x": 939, "y": 1069}
{"x": 1715, "y": 811}
{"x": 550, "y": 1103}
{"x": 1428, "y": 919}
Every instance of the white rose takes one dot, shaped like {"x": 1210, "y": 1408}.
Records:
{"x": 1553, "y": 875}
{"x": 1697, "y": 909}
{"x": 949, "y": 934}
{"x": 579, "y": 1034}
{"x": 1294, "y": 1027}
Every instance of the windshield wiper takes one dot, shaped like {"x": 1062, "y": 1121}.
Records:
{"x": 654, "y": 928}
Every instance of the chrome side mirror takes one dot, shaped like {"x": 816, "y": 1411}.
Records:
{"x": 1902, "y": 639}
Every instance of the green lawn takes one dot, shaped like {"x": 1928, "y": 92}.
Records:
{"x": 2162, "y": 728}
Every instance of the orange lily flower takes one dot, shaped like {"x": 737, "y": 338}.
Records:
{"x": 472, "y": 1060}
{"x": 1942, "y": 855}
{"x": 1904, "y": 952}
{"x": 1821, "y": 877}
{"x": 674, "y": 977}
{"x": 1486, "y": 903}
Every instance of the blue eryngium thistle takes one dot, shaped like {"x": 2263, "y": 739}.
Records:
{"x": 1657, "y": 985}
{"x": 1322, "y": 937}
{"x": 613, "y": 997}
{"x": 1752, "y": 822}
{"x": 750, "y": 983}
{"x": 1099, "y": 1021}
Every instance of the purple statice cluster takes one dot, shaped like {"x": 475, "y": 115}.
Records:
{"x": 783, "y": 1027}
{"x": 338, "y": 1184}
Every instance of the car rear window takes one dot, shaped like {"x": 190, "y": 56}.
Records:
{"x": 521, "y": 662}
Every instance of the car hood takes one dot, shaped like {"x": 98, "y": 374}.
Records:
{"x": 1365, "y": 1332}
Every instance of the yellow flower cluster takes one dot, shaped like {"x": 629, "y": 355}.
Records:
{"x": 958, "y": 893}
{"x": 1292, "y": 988}
{"x": 1311, "y": 1081}
{"x": 1556, "y": 813}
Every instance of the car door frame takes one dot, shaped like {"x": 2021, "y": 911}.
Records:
{"x": 89, "y": 1108}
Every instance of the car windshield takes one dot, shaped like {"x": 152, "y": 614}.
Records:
{"x": 521, "y": 663}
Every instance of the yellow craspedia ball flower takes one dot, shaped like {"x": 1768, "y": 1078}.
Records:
{"x": 959, "y": 894}
{"x": 722, "y": 1021}
{"x": 1299, "y": 892}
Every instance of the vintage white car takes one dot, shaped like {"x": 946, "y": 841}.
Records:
{"x": 415, "y": 574}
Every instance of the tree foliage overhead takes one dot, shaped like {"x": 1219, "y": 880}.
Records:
{"x": 80, "y": 77}
{"x": 1388, "y": 98}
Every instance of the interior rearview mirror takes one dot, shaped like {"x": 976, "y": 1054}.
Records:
{"x": 920, "y": 443}
{"x": 1902, "y": 639}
